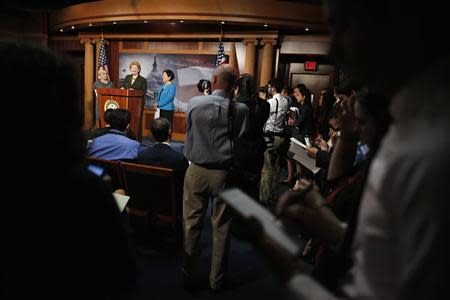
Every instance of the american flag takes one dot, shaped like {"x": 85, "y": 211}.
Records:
{"x": 102, "y": 60}
{"x": 220, "y": 54}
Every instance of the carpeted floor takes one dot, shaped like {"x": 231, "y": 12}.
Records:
{"x": 159, "y": 264}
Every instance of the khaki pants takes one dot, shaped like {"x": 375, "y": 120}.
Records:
{"x": 200, "y": 185}
{"x": 270, "y": 174}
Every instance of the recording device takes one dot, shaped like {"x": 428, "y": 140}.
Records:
{"x": 97, "y": 170}
{"x": 247, "y": 208}
{"x": 308, "y": 143}
{"x": 121, "y": 200}
{"x": 101, "y": 172}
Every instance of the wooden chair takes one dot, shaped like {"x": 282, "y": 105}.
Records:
{"x": 111, "y": 167}
{"x": 152, "y": 190}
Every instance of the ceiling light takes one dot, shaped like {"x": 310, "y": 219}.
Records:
{"x": 265, "y": 25}
{"x": 114, "y": 22}
{"x": 90, "y": 24}
{"x": 307, "y": 29}
{"x": 145, "y": 21}
{"x": 222, "y": 22}
{"x": 61, "y": 30}
{"x": 181, "y": 21}
{"x": 73, "y": 27}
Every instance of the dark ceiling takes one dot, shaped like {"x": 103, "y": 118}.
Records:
{"x": 40, "y": 5}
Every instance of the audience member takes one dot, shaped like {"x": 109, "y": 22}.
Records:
{"x": 106, "y": 127}
{"x": 62, "y": 234}
{"x": 274, "y": 136}
{"x": 212, "y": 121}
{"x": 287, "y": 93}
{"x": 249, "y": 150}
{"x": 204, "y": 86}
{"x": 401, "y": 238}
{"x": 323, "y": 113}
{"x": 263, "y": 92}
{"x": 114, "y": 145}
{"x": 161, "y": 154}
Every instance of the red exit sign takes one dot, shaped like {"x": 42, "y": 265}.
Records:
{"x": 310, "y": 65}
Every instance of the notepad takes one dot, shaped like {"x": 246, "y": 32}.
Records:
{"x": 294, "y": 140}
{"x": 303, "y": 158}
{"x": 121, "y": 201}
{"x": 272, "y": 227}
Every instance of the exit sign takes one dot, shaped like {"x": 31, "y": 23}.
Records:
{"x": 310, "y": 65}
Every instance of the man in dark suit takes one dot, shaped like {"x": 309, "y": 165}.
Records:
{"x": 162, "y": 154}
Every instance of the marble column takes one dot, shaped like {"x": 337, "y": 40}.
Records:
{"x": 250, "y": 55}
{"x": 233, "y": 57}
{"x": 88, "y": 84}
{"x": 267, "y": 61}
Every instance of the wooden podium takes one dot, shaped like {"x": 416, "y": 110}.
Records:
{"x": 131, "y": 100}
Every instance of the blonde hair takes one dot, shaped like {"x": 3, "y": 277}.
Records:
{"x": 135, "y": 63}
{"x": 99, "y": 73}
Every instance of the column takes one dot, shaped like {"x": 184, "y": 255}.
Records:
{"x": 267, "y": 61}
{"x": 88, "y": 84}
{"x": 233, "y": 57}
{"x": 250, "y": 54}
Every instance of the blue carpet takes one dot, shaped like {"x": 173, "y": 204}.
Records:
{"x": 159, "y": 266}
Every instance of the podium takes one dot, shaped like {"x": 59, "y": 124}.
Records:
{"x": 131, "y": 100}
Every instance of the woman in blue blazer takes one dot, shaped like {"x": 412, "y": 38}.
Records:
{"x": 166, "y": 95}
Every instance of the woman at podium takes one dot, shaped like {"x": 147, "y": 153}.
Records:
{"x": 135, "y": 81}
{"x": 102, "y": 82}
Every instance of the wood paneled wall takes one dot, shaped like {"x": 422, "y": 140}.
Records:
{"x": 24, "y": 26}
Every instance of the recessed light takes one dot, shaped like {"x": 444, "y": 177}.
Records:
{"x": 181, "y": 21}
{"x": 222, "y": 22}
{"x": 145, "y": 21}
{"x": 307, "y": 29}
{"x": 61, "y": 30}
{"x": 73, "y": 27}
{"x": 265, "y": 25}
{"x": 90, "y": 25}
{"x": 114, "y": 22}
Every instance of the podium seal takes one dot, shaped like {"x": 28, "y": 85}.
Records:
{"x": 111, "y": 104}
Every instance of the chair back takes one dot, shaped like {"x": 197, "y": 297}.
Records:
{"x": 111, "y": 167}
{"x": 151, "y": 189}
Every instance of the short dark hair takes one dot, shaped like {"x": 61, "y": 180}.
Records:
{"x": 204, "y": 84}
{"x": 287, "y": 89}
{"x": 119, "y": 119}
{"x": 246, "y": 85}
{"x": 107, "y": 115}
{"x": 276, "y": 84}
{"x": 160, "y": 129}
{"x": 170, "y": 74}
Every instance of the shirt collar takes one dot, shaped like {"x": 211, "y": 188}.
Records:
{"x": 220, "y": 93}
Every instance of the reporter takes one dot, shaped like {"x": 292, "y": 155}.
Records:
{"x": 62, "y": 233}
{"x": 402, "y": 233}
